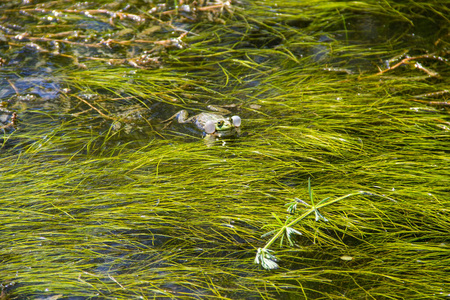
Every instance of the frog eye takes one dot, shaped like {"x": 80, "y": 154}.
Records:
{"x": 220, "y": 123}
{"x": 210, "y": 127}
{"x": 236, "y": 120}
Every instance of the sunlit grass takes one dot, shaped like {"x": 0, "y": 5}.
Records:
{"x": 144, "y": 210}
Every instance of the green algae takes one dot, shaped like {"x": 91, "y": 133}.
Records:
{"x": 99, "y": 204}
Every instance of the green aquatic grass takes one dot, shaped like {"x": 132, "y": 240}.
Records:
{"x": 147, "y": 211}
{"x": 125, "y": 216}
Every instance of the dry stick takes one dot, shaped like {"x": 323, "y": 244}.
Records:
{"x": 96, "y": 109}
{"x": 13, "y": 86}
{"x": 407, "y": 59}
{"x": 46, "y": 39}
{"x": 202, "y": 8}
{"x": 432, "y": 103}
{"x": 88, "y": 13}
{"x": 81, "y": 112}
{"x": 433, "y": 94}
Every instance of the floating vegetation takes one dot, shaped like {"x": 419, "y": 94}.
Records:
{"x": 265, "y": 256}
{"x": 102, "y": 200}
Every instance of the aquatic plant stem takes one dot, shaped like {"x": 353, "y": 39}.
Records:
{"x": 307, "y": 213}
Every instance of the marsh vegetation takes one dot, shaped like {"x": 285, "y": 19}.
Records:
{"x": 102, "y": 200}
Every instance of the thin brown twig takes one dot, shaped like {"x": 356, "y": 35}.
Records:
{"x": 81, "y": 112}
{"x": 46, "y": 39}
{"x": 14, "y": 87}
{"x": 96, "y": 109}
{"x": 407, "y": 61}
{"x": 201, "y": 8}
{"x": 433, "y": 94}
{"x": 432, "y": 103}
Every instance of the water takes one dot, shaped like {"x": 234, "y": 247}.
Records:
{"x": 102, "y": 200}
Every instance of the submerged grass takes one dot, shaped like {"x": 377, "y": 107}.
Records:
{"x": 100, "y": 202}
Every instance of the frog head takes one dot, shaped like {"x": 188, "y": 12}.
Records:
{"x": 222, "y": 125}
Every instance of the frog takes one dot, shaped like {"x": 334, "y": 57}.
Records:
{"x": 214, "y": 124}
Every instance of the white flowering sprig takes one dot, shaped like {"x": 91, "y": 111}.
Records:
{"x": 264, "y": 256}
{"x": 266, "y": 259}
